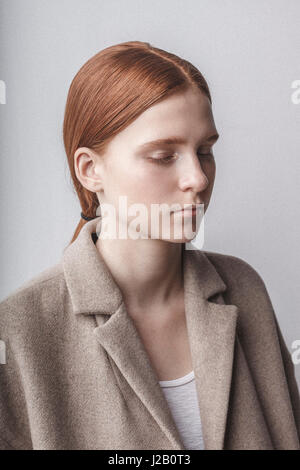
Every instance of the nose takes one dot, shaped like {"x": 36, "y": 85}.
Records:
{"x": 192, "y": 176}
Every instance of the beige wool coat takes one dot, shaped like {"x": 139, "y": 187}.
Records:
{"x": 77, "y": 375}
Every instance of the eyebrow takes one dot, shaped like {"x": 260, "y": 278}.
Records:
{"x": 171, "y": 141}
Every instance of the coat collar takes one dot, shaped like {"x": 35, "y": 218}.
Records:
{"x": 211, "y": 329}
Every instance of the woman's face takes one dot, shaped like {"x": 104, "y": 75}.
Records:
{"x": 164, "y": 172}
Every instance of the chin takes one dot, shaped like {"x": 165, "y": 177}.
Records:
{"x": 184, "y": 239}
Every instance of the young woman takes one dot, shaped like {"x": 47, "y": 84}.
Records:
{"x": 138, "y": 342}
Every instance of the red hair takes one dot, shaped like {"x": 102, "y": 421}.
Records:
{"x": 110, "y": 91}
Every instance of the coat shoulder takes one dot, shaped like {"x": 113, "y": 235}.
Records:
{"x": 234, "y": 269}
{"x": 36, "y": 297}
{"x": 245, "y": 286}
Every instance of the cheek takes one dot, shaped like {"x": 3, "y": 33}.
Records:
{"x": 156, "y": 184}
{"x": 146, "y": 185}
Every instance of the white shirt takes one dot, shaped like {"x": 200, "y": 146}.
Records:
{"x": 181, "y": 396}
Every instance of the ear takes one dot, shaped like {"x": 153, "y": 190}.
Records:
{"x": 87, "y": 165}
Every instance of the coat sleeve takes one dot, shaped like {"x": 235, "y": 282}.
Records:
{"x": 14, "y": 424}
{"x": 259, "y": 331}
{"x": 5, "y": 446}
{"x": 265, "y": 303}
{"x": 290, "y": 376}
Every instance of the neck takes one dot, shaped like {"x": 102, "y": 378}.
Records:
{"x": 148, "y": 272}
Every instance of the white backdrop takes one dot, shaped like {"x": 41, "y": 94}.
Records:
{"x": 249, "y": 54}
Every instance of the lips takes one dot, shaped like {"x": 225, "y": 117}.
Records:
{"x": 191, "y": 208}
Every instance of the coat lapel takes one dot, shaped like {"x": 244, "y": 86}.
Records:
{"x": 211, "y": 330}
{"x": 119, "y": 337}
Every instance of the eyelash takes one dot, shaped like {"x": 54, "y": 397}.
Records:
{"x": 162, "y": 161}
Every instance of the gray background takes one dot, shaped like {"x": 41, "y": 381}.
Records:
{"x": 249, "y": 53}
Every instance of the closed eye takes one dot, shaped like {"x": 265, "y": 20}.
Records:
{"x": 206, "y": 152}
{"x": 171, "y": 158}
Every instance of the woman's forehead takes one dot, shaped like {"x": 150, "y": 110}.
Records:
{"x": 174, "y": 120}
